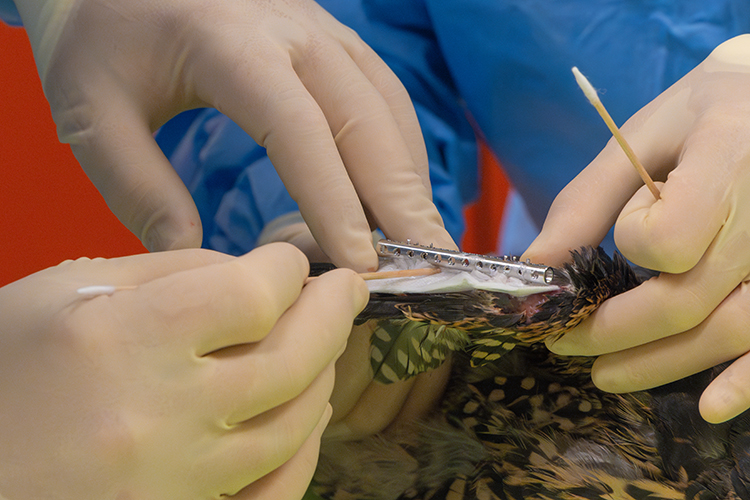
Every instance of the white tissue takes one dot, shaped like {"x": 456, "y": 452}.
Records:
{"x": 449, "y": 280}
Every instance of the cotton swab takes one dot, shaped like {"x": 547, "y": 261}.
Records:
{"x": 403, "y": 273}
{"x": 593, "y": 97}
{"x": 90, "y": 292}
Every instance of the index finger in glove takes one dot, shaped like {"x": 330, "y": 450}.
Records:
{"x": 662, "y": 306}
{"x": 339, "y": 149}
{"x": 303, "y": 342}
{"x": 211, "y": 307}
{"x": 377, "y": 134}
{"x": 287, "y": 121}
{"x": 395, "y": 95}
{"x": 118, "y": 153}
{"x": 134, "y": 270}
{"x": 703, "y": 199}
{"x": 374, "y": 150}
{"x": 589, "y": 205}
{"x": 714, "y": 341}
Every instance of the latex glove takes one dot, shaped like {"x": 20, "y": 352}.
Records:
{"x": 696, "y": 135}
{"x": 362, "y": 406}
{"x": 337, "y": 124}
{"x": 211, "y": 377}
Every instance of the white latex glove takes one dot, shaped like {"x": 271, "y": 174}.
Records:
{"x": 362, "y": 406}
{"x": 337, "y": 124}
{"x": 211, "y": 377}
{"x": 695, "y": 314}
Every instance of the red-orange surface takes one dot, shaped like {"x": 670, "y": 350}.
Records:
{"x": 484, "y": 217}
{"x": 50, "y": 210}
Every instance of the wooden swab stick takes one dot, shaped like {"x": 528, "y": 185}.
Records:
{"x": 593, "y": 98}
{"x": 89, "y": 292}
{"x": 403, "y": 273}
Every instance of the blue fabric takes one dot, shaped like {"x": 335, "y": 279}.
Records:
{"x": 511, "y": 62}
{"x": 9, "y": 13}
{"x": 505, "y": 63}
{"x": 236, "y": 189}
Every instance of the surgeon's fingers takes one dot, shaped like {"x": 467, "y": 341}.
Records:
{"x": 584, "y": 210}
{"x": 699, "y": 199}
{"x": 215, "y": 306}
{"x": 388, "y": 179}
{"x": 395, "y": 95}
{"x": 719, "y": 338}
{"x": 660, "y": 307}
{"x": 118, "y": 153}
{"x": 297, "y": 136}
{"x": 588, "y": 206}
{"x": 727, "y": 395}
{"x": 291, "y": 479}
{"x": 377, "y": 407}
{"x": 273, "y": 106}
{"x": 333, "y": 138}
{"x": 362, "y": 411}
{"x": 134, "y": 270}
{"x": 249, "y": 450}
{"x": 309, "y": 336}
{"x": 353, "y": 371}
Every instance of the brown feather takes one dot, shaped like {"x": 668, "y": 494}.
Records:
{"x": 518, "y": 422}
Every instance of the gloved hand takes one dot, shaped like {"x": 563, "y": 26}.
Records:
{"x": 362, "y": 406}
{"x": 694, "y": 315}
{"x": 211, "y": 377}
{"x": 337, "y": 124}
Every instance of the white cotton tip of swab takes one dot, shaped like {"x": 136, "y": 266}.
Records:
{"x": 588, "y": 89}
{"x": 89, "y": 292}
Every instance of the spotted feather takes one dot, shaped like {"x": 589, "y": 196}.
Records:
{"x": 518, "y": 422}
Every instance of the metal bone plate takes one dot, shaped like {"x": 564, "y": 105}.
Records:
{"x": 510, "y": 266}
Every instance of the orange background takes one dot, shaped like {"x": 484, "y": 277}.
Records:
{"x": 50, "y": 210}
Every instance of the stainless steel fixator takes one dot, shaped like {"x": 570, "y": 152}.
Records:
{"x": 510, "y": 266}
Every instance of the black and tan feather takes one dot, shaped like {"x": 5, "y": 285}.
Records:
{"x": 518, "y": 422}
